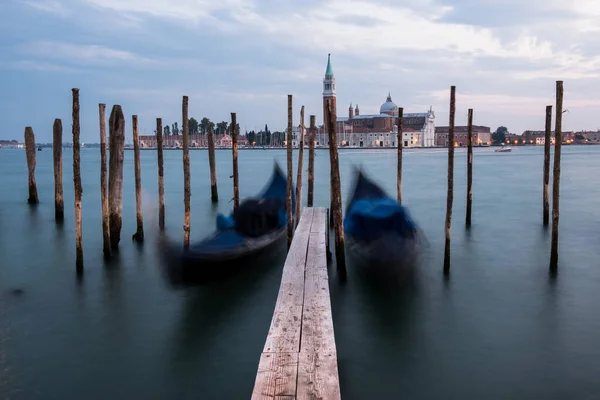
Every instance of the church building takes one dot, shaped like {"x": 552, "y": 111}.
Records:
{"x": 374, "y": 130}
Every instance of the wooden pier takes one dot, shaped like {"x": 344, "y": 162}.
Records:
{"x": 299, "y": 360}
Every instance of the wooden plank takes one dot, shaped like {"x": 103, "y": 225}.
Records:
{"x": 318, "y": 376}
{"x": 276, "y": 377}
{"x": 319, "y": 222}
{"x": 299, "y": 360}
{"x": 317, "y": 319}
{"x": 284, "y": 332}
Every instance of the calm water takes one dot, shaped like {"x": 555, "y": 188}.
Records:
{"x": 499, "y": 327}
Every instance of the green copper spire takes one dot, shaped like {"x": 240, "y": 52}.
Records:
{"x": 328, "y": 71}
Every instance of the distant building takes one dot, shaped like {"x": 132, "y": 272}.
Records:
{"x": 374, "y": 130}
{"x": 196, "y": 140}
{"x": 481, "y": 135}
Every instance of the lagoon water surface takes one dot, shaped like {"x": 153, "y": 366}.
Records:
{"x": 499, "y": 327}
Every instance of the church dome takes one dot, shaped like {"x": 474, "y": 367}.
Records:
{"x": 389, "y": 107}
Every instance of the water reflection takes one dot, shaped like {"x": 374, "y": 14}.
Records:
{"x": 208, "y": 307}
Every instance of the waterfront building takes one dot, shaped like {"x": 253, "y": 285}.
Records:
{"x": 374, "y": 130}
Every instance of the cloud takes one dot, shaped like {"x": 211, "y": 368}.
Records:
{"x": 245, "y": 56}
{"x": 50, "y": 6}
{"x": 87, "y": 55}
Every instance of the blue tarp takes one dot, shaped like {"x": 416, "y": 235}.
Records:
{"x": 371, "y": 218}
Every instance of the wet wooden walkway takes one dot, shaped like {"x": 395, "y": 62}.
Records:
{"x": 299, "y": 360}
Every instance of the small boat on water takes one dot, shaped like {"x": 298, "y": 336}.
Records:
{"x": 257, "y": 225}
{"x": 503, "y": 148}
{"x": 379, "y": 232}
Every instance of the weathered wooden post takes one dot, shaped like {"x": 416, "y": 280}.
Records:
{"x": 469, "y": 166}
{"x": 300, "y": 166}
{"x": 139, "y": 233}
{"x": 59, "y": 204}
{"x": 556, "y": 177}
{"x": 336, "y": 192}
{"x": 311, "y": 162}
{"x": 161, "y": 175}
{"x": 77, "y": 181}
{"x": 116, "y": 131}
{"x": 186, "y": 172}
{"x": 30, "y": 153}
{"x": 400, "y": 144}
{"x": 450, "y": 197}
{"x": 214, "y": 195}
{"x": 104, "y": 184}
{"x": 546, "y": 184}
{"x": 234, "y": 151}
{"x": 289, "y": 208}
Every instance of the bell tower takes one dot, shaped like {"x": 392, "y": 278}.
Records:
{"x": 329, "y": 92}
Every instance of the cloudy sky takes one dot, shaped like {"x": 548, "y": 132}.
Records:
{"x": 245, "y": 56}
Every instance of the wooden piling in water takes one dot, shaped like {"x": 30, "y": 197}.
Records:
{"x": 311, "y": 162}
{"x": 214, "y": 194}
{"x": 556, "y": 177}
{"x": 139, "y": 233}
{"x": 469, "y": 167}
{"x": 59, "y": 204}
{"x": 450, "y": 196}
{"x": 234, "y": 151}
{"x": 289, "y": 208}
{"x": 161, "y": 175}
{"x": 300, "y": 166}
{"x": 546, "y": 184}
{"x": 30, "y": 154}
{"x": 116, "y": 132}
{"x": 77, "y": 181}
{"x": 186, "y": 172}
{"x": 104, "y": 183}
{"x": 336, "y": 193}
{"x": 400, "y": 145}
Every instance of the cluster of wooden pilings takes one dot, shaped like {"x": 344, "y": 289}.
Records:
{"x": 546, "y": 175}
{"x": 111, "y": 175}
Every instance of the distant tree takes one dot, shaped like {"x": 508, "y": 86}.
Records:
{"x": 230, "y": 132}
{"x": 167, "y": 130}
{"x": 193, "y": 126}
{"x": 205, "y": 125}
{"x": 251, "y": 136}
{"x": 175, "y": 129}
{"x": 222, "y": 127}
{"x": 499, "y": 136}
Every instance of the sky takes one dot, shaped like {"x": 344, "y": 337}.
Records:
{"x": 246, "y": 56}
